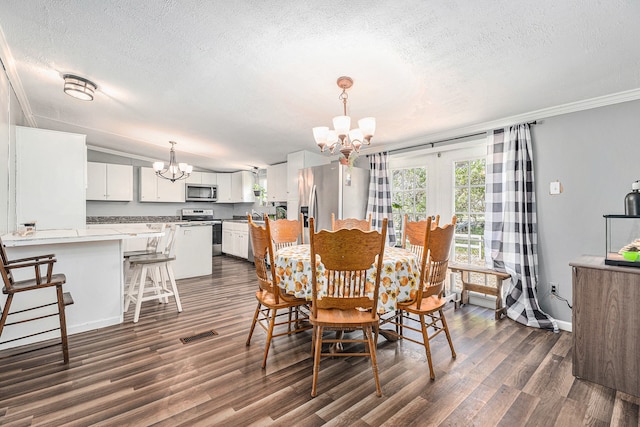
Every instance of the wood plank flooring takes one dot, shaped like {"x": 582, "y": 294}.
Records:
{"x": 142, "y": 374}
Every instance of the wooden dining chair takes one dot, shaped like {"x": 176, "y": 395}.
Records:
{"x": 414, "y": 231}
{"x": 349, "y": 298}
{"x": 348, "y": 223}
{"x": 285, "y": 232}
{"x": 272, "y": 302}
{"x": 159, "y": 269}
{"x": 46, "y": 280}
{"x": 433, "y": 244}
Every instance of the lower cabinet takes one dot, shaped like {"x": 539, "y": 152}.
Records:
{"x": 193, "y": 251}
{"x": 606, "y": 324}
{"x": 235, "y": 239}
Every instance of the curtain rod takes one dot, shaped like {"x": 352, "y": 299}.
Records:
{"x": 432, "y": 144}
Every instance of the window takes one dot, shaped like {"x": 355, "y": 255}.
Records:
{"x": 468, "y": 193}
{"x": 409, "y": 189}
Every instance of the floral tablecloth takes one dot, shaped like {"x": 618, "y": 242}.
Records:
{"x": 398, "y": 281}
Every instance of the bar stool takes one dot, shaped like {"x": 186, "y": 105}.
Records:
{"x": 49, "y": 280}
{"x": 157, "y": 267}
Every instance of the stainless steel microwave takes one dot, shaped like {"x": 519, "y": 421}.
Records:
{"x": 201, "y": 193}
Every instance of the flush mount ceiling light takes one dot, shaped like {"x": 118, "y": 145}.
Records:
{"x": 175, "y": 170}
{"x": 347, "y": 139}
{"x": 79, "y": 87}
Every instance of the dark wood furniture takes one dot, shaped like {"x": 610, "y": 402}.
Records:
{"x": 269, "y": 295}
{"x": 40, "y": 281}
{"x": 350, "y": 301}
{"x": 466, "y": 270}
{"x": 606, "y": 324}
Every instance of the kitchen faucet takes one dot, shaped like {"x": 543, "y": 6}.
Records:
{"x": 256, "y": 215}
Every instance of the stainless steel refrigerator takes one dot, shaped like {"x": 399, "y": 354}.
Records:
{"x": 332, "y": 188}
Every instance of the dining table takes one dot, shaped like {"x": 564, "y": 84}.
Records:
{"x": 399, "y": 277}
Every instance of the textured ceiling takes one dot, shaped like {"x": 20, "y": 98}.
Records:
{"x": 241, "y": 83}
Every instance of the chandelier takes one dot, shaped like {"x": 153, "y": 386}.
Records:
{"x": 175, "y": 170}
{"x": 342, "y": 136}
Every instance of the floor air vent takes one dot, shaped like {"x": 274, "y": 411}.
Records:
{"x": 199, "y": 336}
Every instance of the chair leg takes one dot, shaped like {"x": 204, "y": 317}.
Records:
{"x": 272, "y": 322}
{"x": 174, "y": 287}
{"x": 425, "y": 338}
{"x": 446, "y": 331}
{"x": 132, "y": 287}
{"x": 253, "y": 323}
{"x": 316, "y": 359}
{"x": 374, "y": 362}
{"x": 5, "y": 312}
{"x": 143, "y": 279}
{"x": 63, "y": 324}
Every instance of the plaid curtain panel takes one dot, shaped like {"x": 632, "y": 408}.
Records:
{"x": 510, "y": 235}
{"x": 379, "y": 204}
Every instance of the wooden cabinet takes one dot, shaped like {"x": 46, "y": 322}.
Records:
{"x": 277, "y": 184}
{"x": 50, "y": 178}
{"x": 156, "y": 189}
{"x": 109, "y": 182}
{"x": 235, "y": 239}
{"x": 606, "y": 324}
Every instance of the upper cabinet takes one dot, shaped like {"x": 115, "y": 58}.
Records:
{"x": 235, "y": 187}
{"x": 109, "y": 182}
{"x": 277, "y": 184}
{"x": 156, "y": 189}
{"x": 242, "y": 187}
{"x": 50, "y": 178}
{"x": 224, "y": 188}
{"x": 209, "y": 178}
{"x": 295, "y": 162}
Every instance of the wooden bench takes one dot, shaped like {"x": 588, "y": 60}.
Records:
{"x": 467, "y": 285}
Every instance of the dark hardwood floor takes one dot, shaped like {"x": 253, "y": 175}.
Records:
{"x": 142, "y": 374}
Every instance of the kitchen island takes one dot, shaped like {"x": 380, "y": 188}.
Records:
{"x": 91, "y": 259}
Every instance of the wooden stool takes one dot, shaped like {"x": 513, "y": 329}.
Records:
{"x": 467, "y": 285}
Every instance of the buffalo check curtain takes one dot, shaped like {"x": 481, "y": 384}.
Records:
{"x": 510, "y": 234}
{"x": 379, "y": 203}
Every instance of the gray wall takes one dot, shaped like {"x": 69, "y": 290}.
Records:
{"x": 595, "y": 154}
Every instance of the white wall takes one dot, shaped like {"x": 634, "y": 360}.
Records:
{"x": 10, "y": 115}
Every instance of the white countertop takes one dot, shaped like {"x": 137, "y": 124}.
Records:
{"x": 48, "y": 237}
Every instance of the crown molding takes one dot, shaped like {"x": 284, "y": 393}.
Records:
{"x": 14, "y": 80}
{"x": 480, "y": 128}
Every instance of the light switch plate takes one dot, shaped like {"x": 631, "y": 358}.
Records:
{"x": 555, "y": 187}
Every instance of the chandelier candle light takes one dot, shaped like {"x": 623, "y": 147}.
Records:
{"x": 349, "y": 139}
{"x": 175, "y": 170}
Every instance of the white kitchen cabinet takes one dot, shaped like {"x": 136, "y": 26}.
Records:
{"x": 208, "y": 178}
{"x": 193, "y": 251}
{"x": 50, "y": 178}
{"x": 224, "y": 188}
{"x": 156, "y": 189}
{"x": 194, "y": 178}
{"x": 235, "y": 238}
{"x": 242, "y": 187}
{"x": 277, "y": 184}
{"x": 107, "y": 181}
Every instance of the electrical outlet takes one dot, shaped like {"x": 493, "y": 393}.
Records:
{"x": 554, "y": 287}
